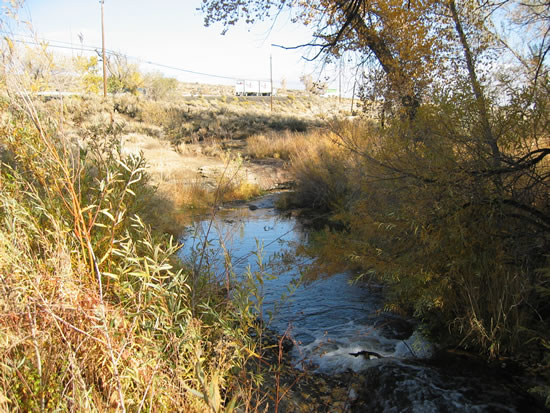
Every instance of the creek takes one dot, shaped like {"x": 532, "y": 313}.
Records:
{"x": 329, "y": 319}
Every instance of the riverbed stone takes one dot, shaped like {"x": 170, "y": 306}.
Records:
{"x": 394, "y": 327}
{"x": 416, "y": 386}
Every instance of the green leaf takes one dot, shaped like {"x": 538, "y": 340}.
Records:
{"x": 108, "y": 214}
{"x": 194, "y": 392}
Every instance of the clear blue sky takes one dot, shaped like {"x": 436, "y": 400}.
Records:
{"x": 171, "y": 32}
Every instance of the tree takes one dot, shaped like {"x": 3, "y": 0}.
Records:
{"x": 420, "y": 46}
{"x": 38, "y": 66}
{"x": 315, "y": 88}
{"x": 449, "y": 201}
{"x": 159, "y": 87}
{"x": 398, "y": 36}
{"x": 89, "y": 73}
{"x": 123, "y": 76}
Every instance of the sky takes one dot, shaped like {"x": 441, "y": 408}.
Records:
{"x": 172, "y": 33}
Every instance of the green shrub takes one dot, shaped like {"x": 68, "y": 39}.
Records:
{"x": 127, "y": 104}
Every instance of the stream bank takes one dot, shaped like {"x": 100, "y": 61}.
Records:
{"x": 331, "y": 320}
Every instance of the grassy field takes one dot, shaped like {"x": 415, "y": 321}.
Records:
{"x": 189, "y": 143}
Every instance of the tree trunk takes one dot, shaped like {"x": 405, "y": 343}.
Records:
{"x": 391, "y": 66}
{"x": 483, "y": 112}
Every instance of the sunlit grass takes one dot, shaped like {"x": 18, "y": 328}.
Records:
{"x": 100, "y": 315}
{"x": 284, "y": 145}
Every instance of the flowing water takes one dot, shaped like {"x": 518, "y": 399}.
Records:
{"x": 330, "y": 318}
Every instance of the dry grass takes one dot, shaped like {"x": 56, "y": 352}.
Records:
{"x": 97, "y": 313}
{"x": 192, "y": 123}
{"x": 229, "y": 184}
{"x": 189, "y": 176}
{"x": 284, "y": 145}
{"x": 187, "y": 170}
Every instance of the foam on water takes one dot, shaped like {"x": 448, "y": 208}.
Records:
{"x": 329, "y": 353}
{"x": 328, "y": 318}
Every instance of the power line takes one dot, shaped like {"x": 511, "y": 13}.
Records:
{"x": 191, "y": 71}
{"x": 56, "y": 46}
{"x": 37, "y": 39}
{"x": 65, "y": 45}
{"x": 54, "y": 43}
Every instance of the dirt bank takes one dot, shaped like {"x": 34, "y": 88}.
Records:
{"x": 200, "y": 163}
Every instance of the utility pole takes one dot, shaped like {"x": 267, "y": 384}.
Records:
{"x": 353, "y": 96}
{"x": 271, "y": 79}
{"x": 103, "y": 52}
{"x": 353, "y": 93}
{"x": 340, "y": 83}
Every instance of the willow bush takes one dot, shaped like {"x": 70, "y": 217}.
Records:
{"x": 96, "y": 309}
{"x": 461, "y": 245}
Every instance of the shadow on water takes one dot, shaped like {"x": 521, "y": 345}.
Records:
{"x": 330, "y": 319}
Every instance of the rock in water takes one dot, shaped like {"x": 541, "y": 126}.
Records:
{"x": 399, "y": 386}
{"x": 367, "y": 354}
{"x": 394, "y": 328}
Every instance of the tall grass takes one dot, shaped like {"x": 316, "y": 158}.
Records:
{"x": 96, "y": 310}
{"x": 322, "y": 170}
{"x": 283, "y": 145}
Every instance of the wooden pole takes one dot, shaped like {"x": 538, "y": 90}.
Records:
{"x": 340, "y": 84}
{"x": 271, "y": 79}
{"x": 353, "y": 93}
{"x": 103, "y": 52}
{"x": 353, "y": 97}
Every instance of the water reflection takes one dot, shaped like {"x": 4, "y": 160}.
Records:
{"x": 328, "y": 318}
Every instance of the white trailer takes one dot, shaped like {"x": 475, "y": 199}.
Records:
{"x": 265, "y": 89}
{"x": 239, "y": 88}
{"x": 252, "y": 88}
